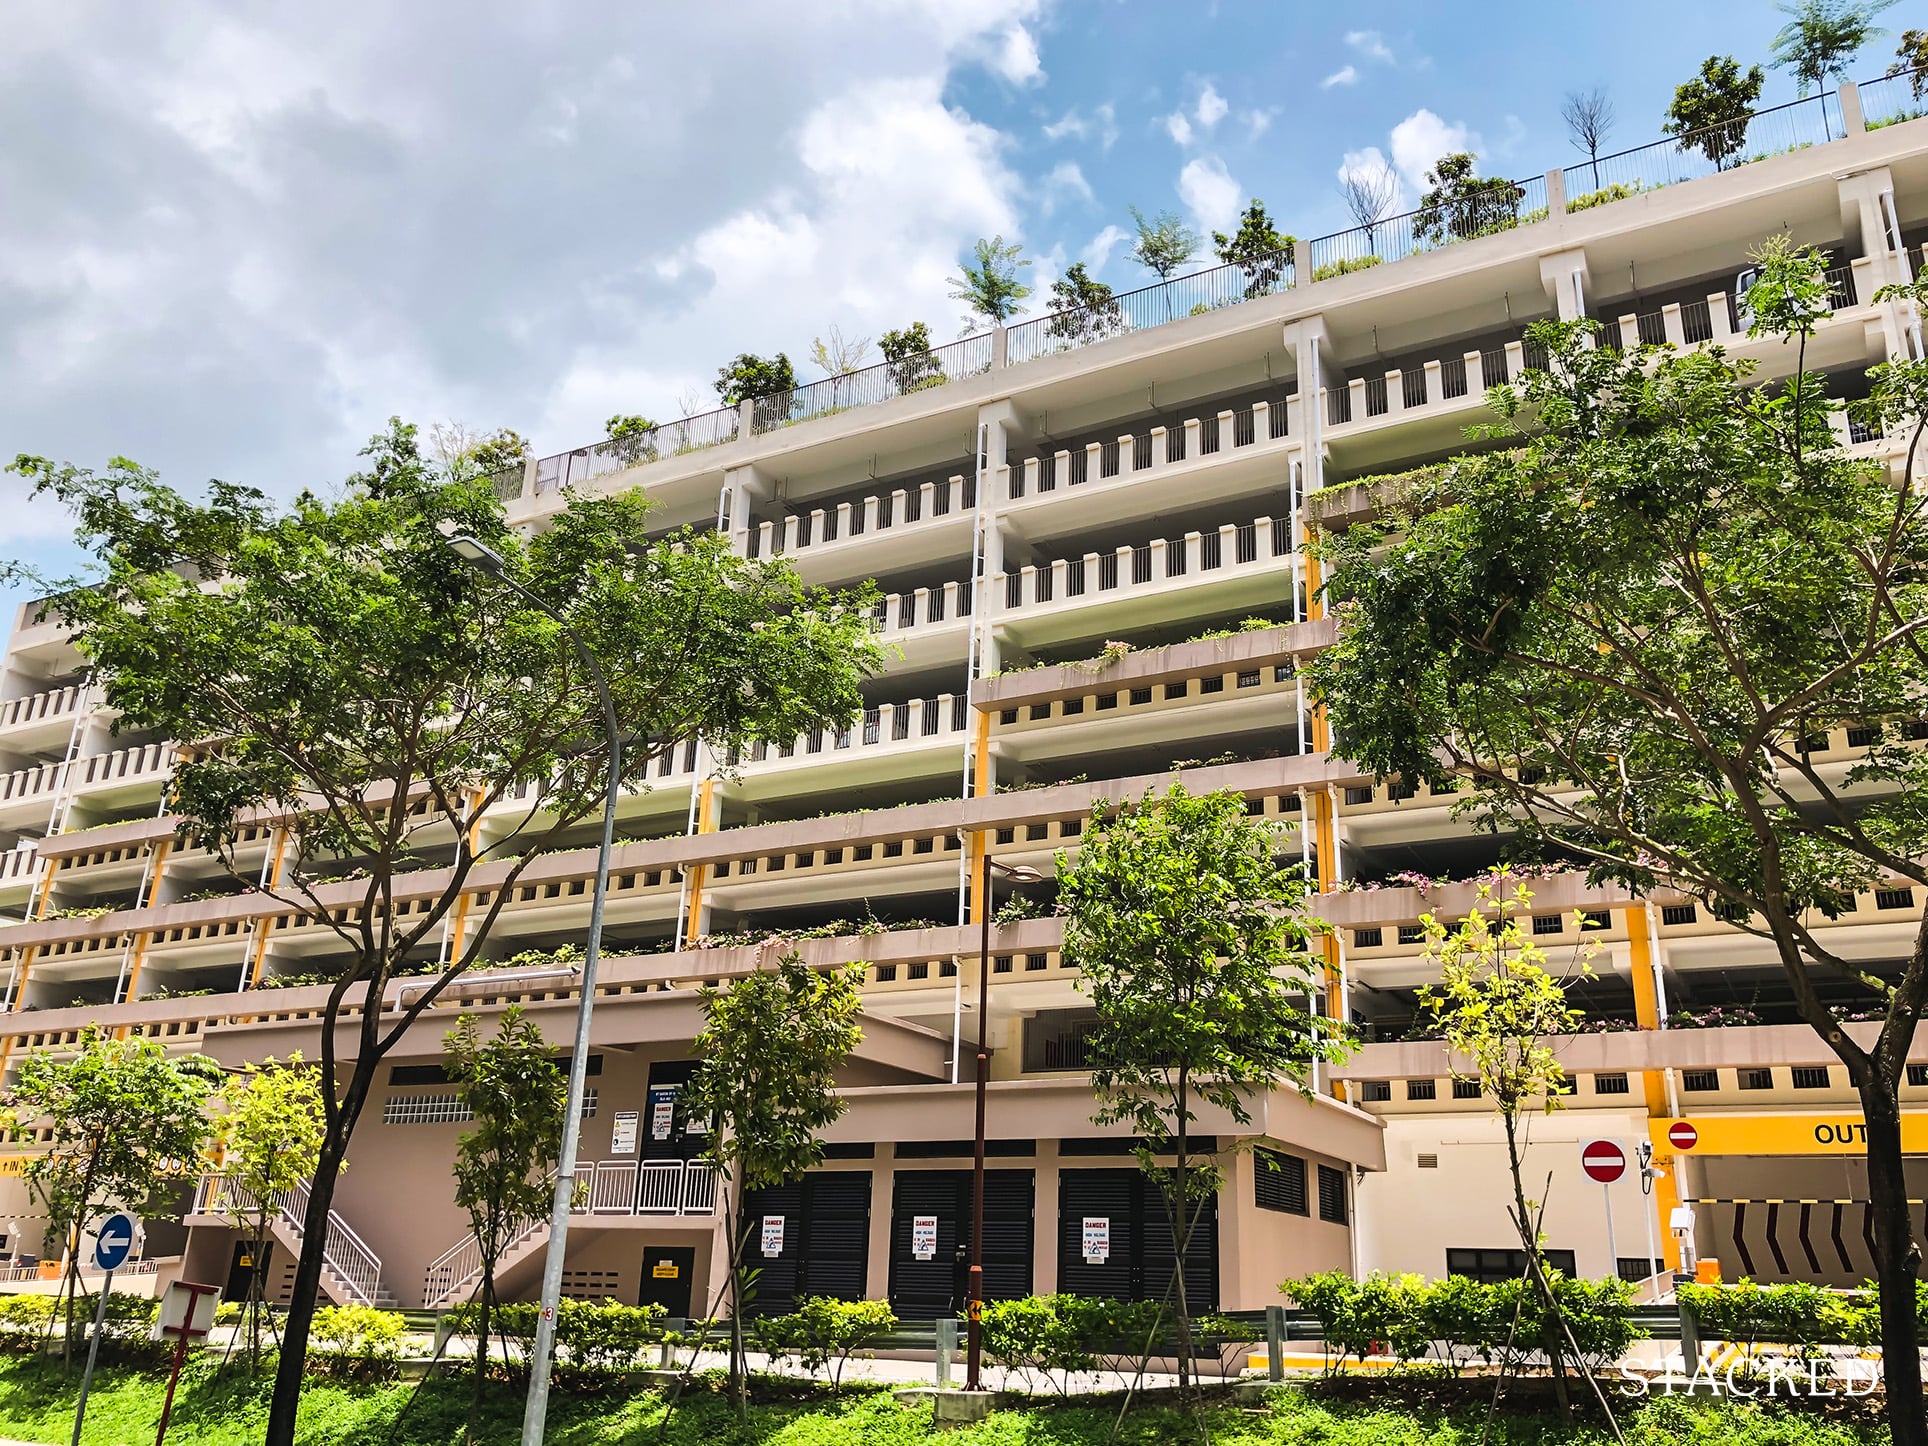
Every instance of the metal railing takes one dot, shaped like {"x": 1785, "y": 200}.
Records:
{"x": 1485, "y": 212}
{"x": 346, "y": 1255}
{"x": 459, "y": 1267}
{"x": 1148, "y": 306}
{"x": 951, "y": 362}
{"x": 1814, "y": 120}
{"x": 647, "y": 1187}
{"x": 601, "y": 459}
{"x": 1888, "y": 99}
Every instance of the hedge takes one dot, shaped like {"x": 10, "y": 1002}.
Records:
{"x": 1460, "y": 1321}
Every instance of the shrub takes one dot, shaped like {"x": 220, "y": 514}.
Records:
{"x": 356, "y": 1342}
{"x": 822, "y": 1333}
{"x": 1345, "y": 266}
{"x": 24, "y": 1320}
{"x": 595, "y": 1344}
{"x": 1463, "y": 1320}
{"x": 1038, "y": 1333}
{"x": 1618, "y": 191}
{"x": 1794, "y": 1314}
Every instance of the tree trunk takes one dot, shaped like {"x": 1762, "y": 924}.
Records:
{"x": 1897, "y": 1259}
{"x": 1182, "y": 1234}
{"x": 293, "y": 1360}
{"x": 739, "y": 1367}
{"x": 482, "y": 1343}
{"x": 1550, "y": 1322}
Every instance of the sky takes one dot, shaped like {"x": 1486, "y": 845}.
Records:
{"x": 235, "y": 238}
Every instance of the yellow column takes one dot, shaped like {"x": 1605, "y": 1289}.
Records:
{"x": 1325, "y": 853}
{"x": 138, "y": 950}
{"x": 980, "y": 839}
{"x": 264, "y": 926}
{"x": 458, "y": 924}
{"x": 1646, "y": 1012}
{"x": 698, "y": 872}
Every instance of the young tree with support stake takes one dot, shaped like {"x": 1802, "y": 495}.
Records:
{"x": 125, "y": 1121}
{"x": 1499, "y": 1008}
{"x": 771, "y": 1045}
{"x": 1192, "y": 946}
{"x": 1622, "y": 634}
{"x": 505, "y": 1168}
{"x": 270, "y": 1140}
{"x": 358, "y": 686}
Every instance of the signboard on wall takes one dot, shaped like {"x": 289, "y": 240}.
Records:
{"x": 772, "y": 1235}
{"x": 1836, "y": 1133}
{"x": 662, "y": 1112}
{"x": 1097, "y": 1239}
{"x": 622, "y": 1140}
{"x": 923, "y": 1237}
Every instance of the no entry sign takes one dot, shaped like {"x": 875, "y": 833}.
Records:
{"x": 1682, "y": 1136}
{"x": 1603, "y": 1160}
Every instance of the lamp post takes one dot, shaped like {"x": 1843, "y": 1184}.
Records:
{"x": 974, "y": 1290}
{"x": 536, "y": 1410}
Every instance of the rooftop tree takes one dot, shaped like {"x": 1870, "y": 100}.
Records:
{"x": 1623, "y": 631}
{"x": 1258, "y": 248}
{"x": 1822, "y": 36}
{"x": 124, "y": 1120}
{"x": 988, "y": 283}
{"x": 1192, "y": 946}
{"x": 1911, "y": 60}
{"x": 1084, "y": 309}
{"x": 331, "y": 667}
{"x": 771, "y": 1045}
{"x": 1463, "y": 204}
{"x": 750, "y": 378}
{"x": 1710, "y": 112}
{"x": 632, "y": 438}
{"x": 913, "y": 366}
{"x": 1589, "y": 117}
{"x": 1162, "y": 245}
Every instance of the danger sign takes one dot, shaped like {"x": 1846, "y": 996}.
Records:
{"x": 1603, "y": 1160}
{"x": 1682, "y": 1136}
{"x": 1097, "y": 1239}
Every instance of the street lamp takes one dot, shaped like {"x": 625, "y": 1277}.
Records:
{"x": 974, "y": 1290}
{"x": 535, "y": 1411}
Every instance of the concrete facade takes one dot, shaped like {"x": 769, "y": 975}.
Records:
{"x": 1147, "y": 487}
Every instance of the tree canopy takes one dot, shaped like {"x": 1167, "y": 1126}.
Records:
{"x": 1627, "y": 628}
{"x": 1822, "y": 36}
{"x": 1710, "y": 112}
{"x": 1258, "y": 248}
{"x": 988, "y": 283}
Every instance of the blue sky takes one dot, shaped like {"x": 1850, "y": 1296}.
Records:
{"x": 237, "y": 238}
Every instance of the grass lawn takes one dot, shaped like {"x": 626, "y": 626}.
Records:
{"x": 36, "y": 1404}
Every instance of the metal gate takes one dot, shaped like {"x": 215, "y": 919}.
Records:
{"x": 826, "y": 1240}
{"x": 925, "y": 1289}
{"x": 1141, "y": 1262}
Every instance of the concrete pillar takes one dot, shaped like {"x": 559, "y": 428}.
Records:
{"x": 1158, "y": 447}
{"x": 1556, "y": 197}
{"x": 1852, "y": 120}
{"x": 1564, "y": 275}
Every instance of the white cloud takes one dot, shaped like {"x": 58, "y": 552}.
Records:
{"x": 1344, "y": 75}
{"x": 1210, "y": 192}
{"x": 1371, "y": 44}
{"x": 1066, "y": 181}
{"x": 1421, "y": 139}
{"x": 1211, "y": 106}
{"x": 1257, "y": 122}
{"x": 1016, "y": 57}
{"x": 1097, "y": 251}
{"x": 1178, "y": 128}
{"x": 1103, "y": 123}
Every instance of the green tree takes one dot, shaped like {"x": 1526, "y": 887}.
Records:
{"x": 988, "y": 284}
{"x": 770, "y": 1046}
{"x": 1259, "y": 249}
{"x": 1822, "y": 36}
{"x": 1911, "y": 60}
{"x": 269, "y": 1136}
{"x": 632, "y": 438}
{"x": 349, "y": 660}
{"x": 1621, "y": 631}
{"x": 123, "y": 1120}
{"x": 1083, "y": 308}
{"x": 1710, "y": 112}
{"x": 1498, "y": 1008}
{"x": 1193, "y": 951}
{"x": 1164, "y": 243}
{"x": 913, "y": 366}
{"x": 752, "y": 378}
{"x": 1462, "y": 205}
{"x": 505, "y": 1168}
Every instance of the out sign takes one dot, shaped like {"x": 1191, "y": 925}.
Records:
{"x": 1603, "y": 1160}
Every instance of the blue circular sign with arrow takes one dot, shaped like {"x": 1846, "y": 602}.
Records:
{"x": 114, "y": 1242}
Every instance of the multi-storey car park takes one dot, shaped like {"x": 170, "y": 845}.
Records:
{"x": 1030, "y": 499}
